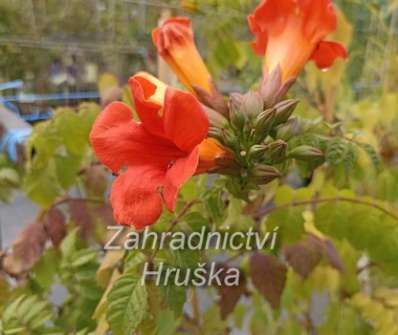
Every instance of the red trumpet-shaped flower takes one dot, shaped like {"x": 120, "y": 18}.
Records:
{"x": 291, "y": 32}
{"x": 159, "y": 154}
{"x": 174, "y": 42}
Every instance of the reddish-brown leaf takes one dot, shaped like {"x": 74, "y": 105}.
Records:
{"x": 54, "y": 223}
{"x": 80, "y": 215}
{"x": 96, "y": 180}
{"x": 332, "y": 255}
{"x": 26, "y": 250}
{"x": 105, "y": 214}
{"x": 230, "y": 295}
{"x": 305, "y": 255}
{"x": 269, "y": 277}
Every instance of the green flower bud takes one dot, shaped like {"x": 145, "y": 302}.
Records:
{"x": 305, "y": 152}
{"x": 264, "y": 174}
{"x": 257, "y": 151}
{"x": 289, "y": 129}
{"x": 216, "y": 133}
{"x": 264, "y": 123}
{"x": 236, "y": 114}
{"x": 228, "y": 138}
{"x": 276, "y": 152}
{"x": 252, "y": 103}
{"x": 284, "y": 110}
{"x": 215, "y": 118}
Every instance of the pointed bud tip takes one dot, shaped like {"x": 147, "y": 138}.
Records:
{"x": 306, "y": 152}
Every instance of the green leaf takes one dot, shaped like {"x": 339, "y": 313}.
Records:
{"x": 372, "y": 154}
{"x": 45, "y": 269}
{"x": 68, "y": 245}
{"x": 196, "y": 221}
{"x": 9, "y": 176}
{"x": 108, "y": 264}
{"x": 67, "y": 168}
{"x": 365, "y": 227}
{"x": 336, "y": 151}
{"x": 71, "y": 130}
{"x": 27, "y": 313}
{"x": 127, "y": 305}
{"x": 166, "y": 323}
{"x": 174, "y": 297}
{"x": 214, "y": 204}
{"x": 290, "y": 222}
{"x": 41, "y": 184}
{"x": 82, "y": 257}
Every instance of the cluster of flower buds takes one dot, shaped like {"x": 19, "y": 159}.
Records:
{"x": 257, "y": 129}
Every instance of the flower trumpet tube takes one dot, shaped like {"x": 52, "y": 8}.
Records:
{"x": 289, "y": 33}
{"x": 175, "y": 44}
{"x": 154, "y": 157}
{"x": 214, "y": 157}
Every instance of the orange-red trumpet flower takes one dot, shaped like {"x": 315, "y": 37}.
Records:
{"x": 291, "y": 32}
{"x": 175, "y": 43}
{"x": 159, "y": 154}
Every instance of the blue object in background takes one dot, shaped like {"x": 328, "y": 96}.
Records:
{"x": 11, "y": 139}
{"x": 11, "y": 85}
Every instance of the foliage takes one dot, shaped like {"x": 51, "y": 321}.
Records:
{"x": 57, "y": 152}
{"x": 10, "y": 177}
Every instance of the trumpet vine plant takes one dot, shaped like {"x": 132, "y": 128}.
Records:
{"x": 227, "y": 213}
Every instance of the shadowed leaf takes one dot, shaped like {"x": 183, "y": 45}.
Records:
{"x": 80, "y": 215}
{"x": 26, "y": 250}
{"x": 269, "y": 277}
{"x": 230, "y": 295}
{"x": 54, "y": 223}
{"x": 305, "y": 255}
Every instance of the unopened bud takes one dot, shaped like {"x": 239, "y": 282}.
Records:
{"x": 252, "y": 103}
{"x": 285, "y": 88}
{"x": 215, "y": 118}
{"x": 284, "y": 110}
{"x": 216, "y": 133}
{"x": 276, "y": 152}
{"x": 289, "y": 129}
{"x": 258, "y": 150}
{"x": 306, "y": 152}
{"x": 228, "y": 138}
{"x": 264, "y": 174}
{"x": 236, "y": 114}
{"x": 264, "y": 123}
{"x": 270, "y": 86}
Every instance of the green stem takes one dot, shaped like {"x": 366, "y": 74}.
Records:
{"x": 326, "y": 200}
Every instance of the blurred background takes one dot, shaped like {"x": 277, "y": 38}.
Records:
{"x": 57, "y": 46}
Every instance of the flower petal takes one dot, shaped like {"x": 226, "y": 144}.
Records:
{"x": 135, "y": 197}
{"x": 185, "y": 121}
{"x": 211, "y": 151}
{"x": 272, "y": 15}
{"x": 327, "y": 52}
{"x": 148, "y": 93}
{"x": 319, "y": 18}
{"x": 288, "y": 31}
{"x": 259, "y": 46}
{"x": 175, "y": 43}
{"x": 118, "y": 141}
{"x": 177, "y": 175}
